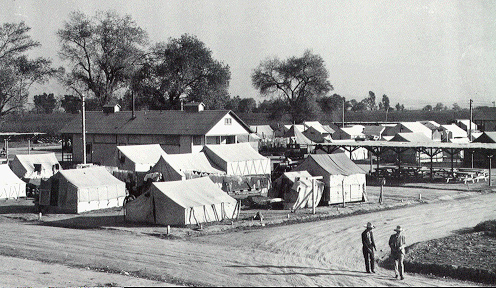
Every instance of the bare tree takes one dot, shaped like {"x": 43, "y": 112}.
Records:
{"x": 17, "y": 72}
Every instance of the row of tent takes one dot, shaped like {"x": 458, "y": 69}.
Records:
{"x": 231, "y": 159}
{"x": 168, "y": 203}
{"x": 182, "y": 200}
{"x": 80, "y": 190}
{"x": 25, "y": 169}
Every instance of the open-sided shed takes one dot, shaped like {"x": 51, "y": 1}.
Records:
{"x": 182, "y": 203}
{"x": 238, "y": 159}
{"x": 344, "y": 180}
{"x": 138, "y": 158}
{"x": 11, "y": 187}
{"x": 35, "y": 166}
{"x": 80, "y": 190}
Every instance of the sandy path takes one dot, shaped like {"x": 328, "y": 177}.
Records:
{"x": 318, "y": 253}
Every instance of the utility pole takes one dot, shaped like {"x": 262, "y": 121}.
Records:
{"x": 470, "y": 123}
{"x": 342, "y": 118}
{"x": 83, "y": 128}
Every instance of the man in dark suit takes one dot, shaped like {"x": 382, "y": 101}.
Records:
{"x": 368, "y": 248}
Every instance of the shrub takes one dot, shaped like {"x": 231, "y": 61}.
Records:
{"x": 486, "y": 226}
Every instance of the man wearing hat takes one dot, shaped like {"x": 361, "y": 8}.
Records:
{"x": 397, "y": 244}
{"x": 368, "y": 247}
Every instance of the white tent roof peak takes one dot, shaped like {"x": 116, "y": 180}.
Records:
{"x": 142, "y": 154}
{"x": 193, "y": 192}
{"x": 90, "y": 177}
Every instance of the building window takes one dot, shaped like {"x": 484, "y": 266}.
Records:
{"x": 212, "y": 140}
{"x": 197, "y": 140}
{"x": 227, "y": 121}
{"x": 37, "y": 168}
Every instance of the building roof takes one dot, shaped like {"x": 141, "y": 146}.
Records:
{"x": 167, "y": 122}
{"x": 373, "y": 130}
{"x": 485, "y": 114}
{"x": 466, "y": 123}
{"x": 456, "y": 131}
{"x": 330, "y": 129}
{"x": 316, "y": 136}
{"x": 486, "y": 137}
{"x": 299, "y": 127}
{"x": 411, "y": 137}
{"x": 263, "y": 130}
{"x": 317, "y": 126}
{"x": 298, "y": 135}
{"x": 355, "y": 130}
{"x": 416, "y": 127}
{"x": 433, "y": 125}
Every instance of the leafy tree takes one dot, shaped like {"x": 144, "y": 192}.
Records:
{"x": 247, "y": 105}
{"x": 456, "y": 107}
{"x": 17, "y": 72}
{"x": 103, "y": 51}
{"x": 427, "y": 108}
{"x": 350, "y": 105}
{"x": 71, "y": 104}
{"x": 369, "y": 102}
{"x": 360, "y": 106}
{"x": 233, "y": 103}
{"x": 183, "y": 68}
{"x": 298, "y": 81}
{"x": 385, "y": 102}
{"x": 331, "y": 103}
{"x": 438, "y": 107}
{"x": 45, "y": 102}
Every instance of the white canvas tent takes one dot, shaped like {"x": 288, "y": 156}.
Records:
{"x": 182, "y": 203}
{"x": 35, "y": 166}
{"x": 295, "y": 188}
{"x": 138, "y": 158}
{"x": 11, "y": 187}
{"x": 344, "y": 180}
{"x": 238, "y": 159}
{"x": 80, "y": 190}
{"x": 175, "y": 167}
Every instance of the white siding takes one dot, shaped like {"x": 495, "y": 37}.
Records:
{"x": 221, "y": 128}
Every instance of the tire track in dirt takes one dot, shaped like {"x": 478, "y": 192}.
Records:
{"x": 323, "y": 253}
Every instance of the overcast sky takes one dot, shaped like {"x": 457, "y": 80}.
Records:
{"x": 417, "y": 52}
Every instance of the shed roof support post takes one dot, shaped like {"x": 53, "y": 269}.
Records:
{"x": 490, "y": 164}
{"x": 432, "y": 168}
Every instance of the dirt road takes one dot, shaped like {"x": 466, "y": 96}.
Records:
{"x": 326, "y": 253}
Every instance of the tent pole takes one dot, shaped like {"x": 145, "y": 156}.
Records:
{"x": 342, "y": 192}
{"x": 313, "y": 196}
